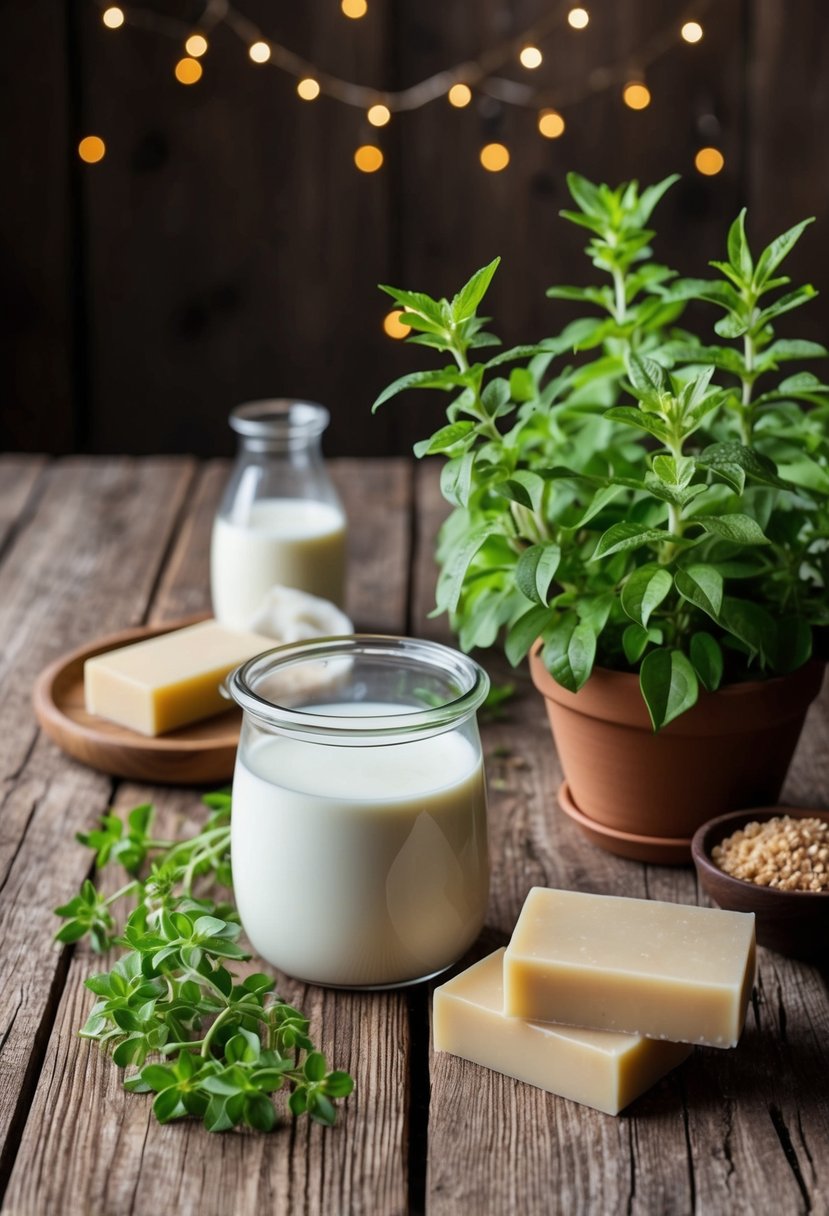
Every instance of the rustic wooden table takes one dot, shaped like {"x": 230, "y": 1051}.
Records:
{"x": 93, "y": 545}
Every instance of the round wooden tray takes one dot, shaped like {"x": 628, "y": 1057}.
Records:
{"x": 194, "y": 755}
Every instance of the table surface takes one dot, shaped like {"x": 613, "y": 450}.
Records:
{"x": 92, "y": 545}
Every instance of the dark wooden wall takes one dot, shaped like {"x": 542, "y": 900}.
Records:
{"x": 226, "y": 247}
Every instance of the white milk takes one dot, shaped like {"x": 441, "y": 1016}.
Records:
{"x": 296, "y": 542}
{"x": 360, "y": 865}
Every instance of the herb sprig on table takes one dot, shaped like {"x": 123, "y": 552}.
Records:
{"x": 219, "y": 1047}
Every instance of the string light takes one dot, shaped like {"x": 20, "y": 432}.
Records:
{"x": 691, "y": 31}
{"x": 378, "y": 115}
{"x": 394, "y": 327}
{"x": 531, "y": 57}
{"x": 113, "y": 17}
{"x": 188, "y": 71}
{"x": 578, "y": 18}
{"x": 196, "y": 46}
{"x": 459, "y": 95}
{"x": 494, "y": 157}
{"x": 91, "y": 149}
{"x": 260, "y": 52}
{"x": 709, "y": 162}
{"x": 550, "y": 124}
{"x": 354, "y": 8}
{"x": 368, "y": 158}
{"x": 308, "y": 88}
{"x": 636, "y": 95}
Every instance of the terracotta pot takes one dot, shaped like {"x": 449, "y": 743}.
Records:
{"x": 732, "y": 750}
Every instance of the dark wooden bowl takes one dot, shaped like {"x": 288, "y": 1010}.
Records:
{"x": 795, "y": 923}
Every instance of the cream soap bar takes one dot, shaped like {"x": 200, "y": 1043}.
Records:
{"x": 155, "y": 686}
{"x": 596, "y": 1067}
{"x": 667, "y": 971}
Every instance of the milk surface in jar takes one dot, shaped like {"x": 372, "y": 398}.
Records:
{"x": 280, "y": 521}
{"x": 359, "y": 849}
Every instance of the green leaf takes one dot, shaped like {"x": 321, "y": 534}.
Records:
{"x": 536, "y": 570}
{"x": 723, "y": 457}
{"x": 738, "y": 251}
{"x": 338, "y": 1084}
{"x": 631, "y": 416}
{"x": 465, "y": 303}
{"x": 168, "y": 1105}
{"x": 647, "y": 376}
{"x": 792, "y": 348}
{"x": 674, "y": 471}
{"x": 669, "y": 685}
{"x": 644, "y": 591}
{"x": 456, "y": 479}
{"x": 315, "y": 1066}
{"x": 522, "y": 384}
{"x": 569, "y": 653}
{"x": 739, "y": 528}
{"x": 444, "y": 439}
{"x": 521, "y": 352}
{"x": 525, "y": 488}
{"x": 751, "y": 625}
{"x": 702, "y": 586}
{"x": 635, "y": 641}
{"x": 524, "y": 632}
{"x": 259, "y": 1112}
{"x": 451, "y": 586}
{"x": 707, "y": 660}
{"x": 626, "y": 535}
{"x": 780, "y": 248}
{"x": 444, "y": 378}
{"x": 786, "y": 303}
{"x": 731, "y": 326}
{"x": 794, "y": 644}
{"x": 585, "y": 195}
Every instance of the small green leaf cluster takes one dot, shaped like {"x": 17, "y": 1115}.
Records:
{"x": 658, "y": 505}
{"x": 206, "y": 1043}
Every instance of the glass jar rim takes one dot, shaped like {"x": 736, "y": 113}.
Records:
{"x": 474, "y": 686}
{"x": 279, "y": 419}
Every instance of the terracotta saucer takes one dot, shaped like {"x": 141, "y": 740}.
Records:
{"x": 662, "y": 850}
{"x": 201, "y": 754}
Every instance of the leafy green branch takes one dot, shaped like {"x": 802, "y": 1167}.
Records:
{"x": 219, "y": 1048}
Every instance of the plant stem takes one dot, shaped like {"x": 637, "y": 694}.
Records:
{"x": 749, "y": 355}
{"x": 208, "y": 1038}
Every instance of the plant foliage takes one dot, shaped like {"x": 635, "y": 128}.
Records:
{"x": 628, "y": 493}
{"x": 205, "y": 1042}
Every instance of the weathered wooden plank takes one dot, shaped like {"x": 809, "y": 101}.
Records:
{"x": 18, "y": 477}
{"x": 117, "y": 1158}
{"x": 719, "y": 1134}
{"x": 70, "y": 575}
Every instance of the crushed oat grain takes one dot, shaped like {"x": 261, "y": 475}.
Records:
{"x": 786, "y": 853}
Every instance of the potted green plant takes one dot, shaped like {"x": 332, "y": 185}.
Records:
{"x": 649, "y": 519}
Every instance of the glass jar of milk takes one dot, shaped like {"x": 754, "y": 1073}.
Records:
{"x": 280, "y": 520}
{"x": 358, "y": 831}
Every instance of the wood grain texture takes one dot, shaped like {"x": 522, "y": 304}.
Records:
{"x": 69, "y": 574}
{"x": 721, "y": 1133}
{"x": 117, "y": 1159}
{"x": 18, "y": 478}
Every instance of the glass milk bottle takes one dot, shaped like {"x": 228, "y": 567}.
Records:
{"x": 358, "y": 830}
{"x": 280, "y": 520}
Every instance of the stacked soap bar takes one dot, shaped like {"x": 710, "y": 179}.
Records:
{"x": 597, "y": 997}
{"x": 165, "y": 682}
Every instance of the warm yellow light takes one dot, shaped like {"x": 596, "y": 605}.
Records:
{"x": 308, "y": 89}
{"x": 188, "y": 71}
{"x": 91, "y": 149}
{"x": 259, "y": 52}
{"x": 709, "y": 161}
{"x": 691, "y": 31}
{"x": 550, "y": 124}
{"x": 378, "y": 115}
{"x": 113, "y": 18}
{"x": 578, "y": 18}
{"x": 531, "y": 57}
{"x": 394, "y": 327}
{"x": 494, "y": 157}
{"x": 196, "y": 45}
{"x": 636, "y": 95}
{"x": 354, "y": 8}
{"x": 459, "y": 95}
{"x": 368, "y": 158}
